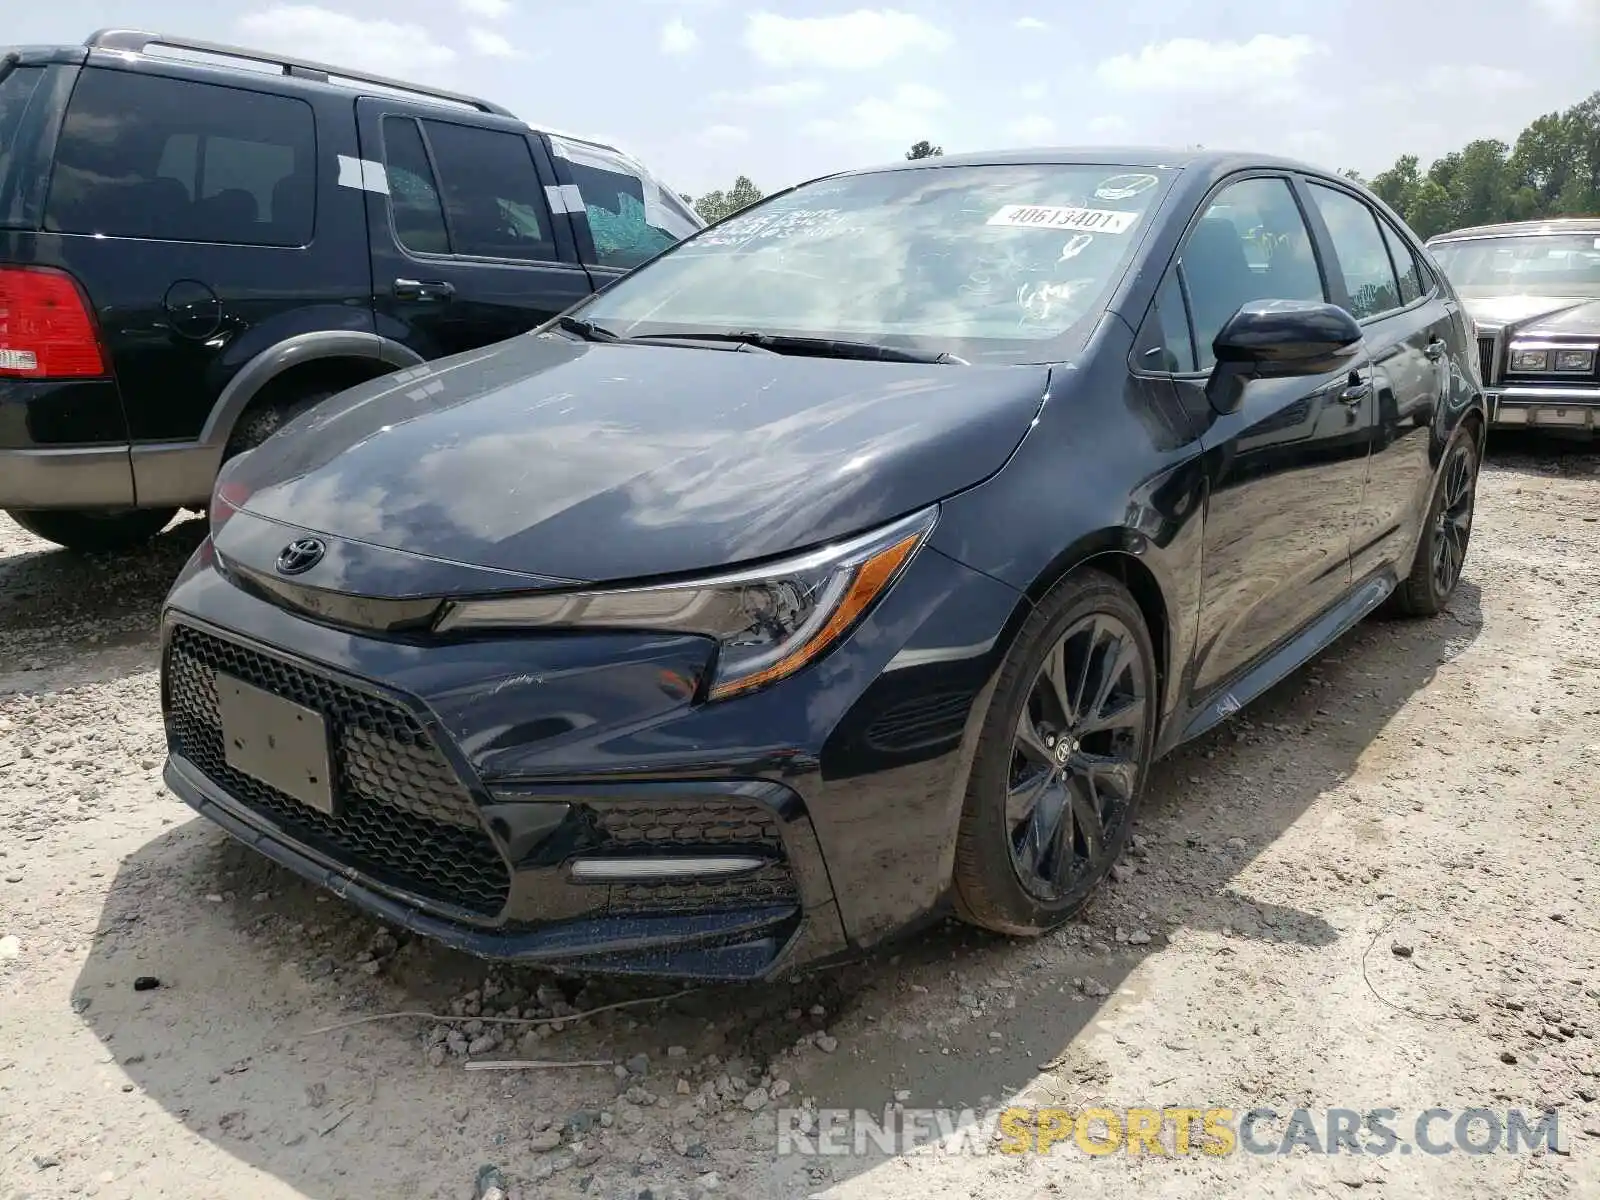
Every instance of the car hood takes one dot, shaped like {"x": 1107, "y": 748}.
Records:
{"x": 586, "y": 462}
{"x": 1535, "y": 314}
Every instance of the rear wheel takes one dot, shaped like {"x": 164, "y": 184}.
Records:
{"x": 1061, "y": 760}
{"x": 261, "y": 422}
{"x": 93, "y": 531}
{"x": 1442, "y": 549}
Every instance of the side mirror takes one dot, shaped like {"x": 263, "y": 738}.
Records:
{"x": 1278, "y": 339}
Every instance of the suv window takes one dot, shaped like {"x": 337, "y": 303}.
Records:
{"x": 1251, "y": 243}
{"x": 149, "y": 157}
{"x": 493, "y": 199}
{"x": 632, "y": 218}
{"x": 414, "y": 204}
{"x": 1368, "y": 275}
{"x": 1405, "y": 263}
{"x": 16, "y": 89}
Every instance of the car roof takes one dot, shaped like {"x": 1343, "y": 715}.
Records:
{"x": 1196, "y": 159}
{"x": 1520, "y": 228}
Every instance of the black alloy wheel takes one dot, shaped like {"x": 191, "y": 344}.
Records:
{"x": 1445, "y": 536}
{"x": 1076, "y": 758}
{"x": 1061, "y": 760}
{"x": 1452, "y": 528}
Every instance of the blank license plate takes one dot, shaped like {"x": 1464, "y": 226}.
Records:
{"x": 277, "y": 741}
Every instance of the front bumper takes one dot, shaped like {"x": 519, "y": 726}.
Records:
{"x": 476, "y": 776}
{"x": 1543, "y": 407}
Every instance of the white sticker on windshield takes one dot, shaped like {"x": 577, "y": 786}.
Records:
{"x": 1045, "y": 216}
{"x": 1597, "y": 243}
{"x": 1124, "y": 187}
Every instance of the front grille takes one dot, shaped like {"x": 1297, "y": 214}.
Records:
{"x": 1486, "y": 356}
{"x": 404, "y": 816}
{"x": 690, "y": 826}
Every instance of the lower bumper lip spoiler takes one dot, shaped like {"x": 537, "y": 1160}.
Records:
{"x": 741, "y": 945}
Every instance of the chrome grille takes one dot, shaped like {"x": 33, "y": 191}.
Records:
{"x": 1488, "y": 354}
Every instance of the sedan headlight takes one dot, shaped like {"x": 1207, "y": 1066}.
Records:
{"x": 768, "y": 621}
{"x": 1575, "y": 362}
{"x": 1530, "y": 361}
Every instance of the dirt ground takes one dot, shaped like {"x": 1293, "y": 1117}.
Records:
{"x": 1375, "y": 888}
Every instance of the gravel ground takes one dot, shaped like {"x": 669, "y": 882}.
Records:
{"x": 1374, "y": 888}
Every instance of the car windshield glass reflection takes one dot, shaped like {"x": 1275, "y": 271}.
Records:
{"x": 1549, "y": 265}
{"x": 981, "y": 262}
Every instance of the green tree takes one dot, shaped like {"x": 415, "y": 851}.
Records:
{"x": 713, "y": 206}
{"x": 1552, "y": 170}
{"x": 924, "y": 149}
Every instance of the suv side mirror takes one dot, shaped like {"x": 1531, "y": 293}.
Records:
{"x": 1277, "y": 339}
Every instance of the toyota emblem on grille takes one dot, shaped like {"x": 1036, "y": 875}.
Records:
{"x": 301, "y": 555}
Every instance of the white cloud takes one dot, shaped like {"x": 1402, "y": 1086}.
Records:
{"x": 1034, "y": 91}
{"x": 1474, "y": 78}
{"x": 1264, "y": 65}
{"x": 1108, "y": 126}
{"x": 853, "y": 41}
{"x": 492, "y": 10}
{"x": 490, "y": 43}
{"x": 1577, "y": 13}
{"x": 902, "y": 116}
{"x": 724, "y": 135}
{"x": 1034, "y": 129}
{"x": 388, "y": 47}
{"x": 775, "y": 95}
{"x": 1032, "y": 23}
{"x": 678, "y": 38}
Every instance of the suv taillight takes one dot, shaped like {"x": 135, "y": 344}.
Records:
{"x": 46, "y": 330}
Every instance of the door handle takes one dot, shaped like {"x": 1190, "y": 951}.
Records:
{"x": 1435, "y": 348}
{"x": 1358, "y": 391}
{"x": 423, "y": 289}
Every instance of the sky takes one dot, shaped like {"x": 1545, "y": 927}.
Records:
{"x": 706, "y": 90}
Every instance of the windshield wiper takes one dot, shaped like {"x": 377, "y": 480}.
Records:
{"x": 588, "y": 330}
{"x": 813, "y": 347}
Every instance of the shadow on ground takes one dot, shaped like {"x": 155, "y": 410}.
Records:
{"x": 69, "y": 619}
{"x": 250, "y": 959}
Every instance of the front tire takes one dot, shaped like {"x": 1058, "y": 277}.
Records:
{"x": 1442, "y": 548}
{"x": 1061, "y": 760}
{"x": 94, "y": 531}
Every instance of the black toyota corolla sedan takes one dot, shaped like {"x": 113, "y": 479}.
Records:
{"x": 849, "y": 561}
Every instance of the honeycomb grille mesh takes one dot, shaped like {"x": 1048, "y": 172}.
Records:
{"x": 404, "y": 817}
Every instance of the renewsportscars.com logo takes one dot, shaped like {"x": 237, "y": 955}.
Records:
{"x": 1167, "y": 1130}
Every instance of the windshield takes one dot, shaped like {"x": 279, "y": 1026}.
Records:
{"x": 982, "y": 262}
{"x": 1542, "y": 264}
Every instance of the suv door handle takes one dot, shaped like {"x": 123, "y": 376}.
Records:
{"x": 420, "y": 289}
{"x": 1358, "y": 391}
{"x": 1435, "y": 349}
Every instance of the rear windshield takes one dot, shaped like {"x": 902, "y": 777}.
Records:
{"x": 16, "y": 89}
{"x": 1542, "y": 264}
{"x": 985, "y": 262}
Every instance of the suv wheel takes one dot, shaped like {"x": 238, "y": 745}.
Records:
{"x": 92, "y": 531}
{"x": 258, "y": 424}
{"x": 1061, "y": 760}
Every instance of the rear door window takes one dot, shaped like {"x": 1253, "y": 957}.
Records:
{"x": 1368, "y": 275}
{"x": 494, "y": 204}
{"x": 145, "y": 156}
{"x": 1405, "y": 264}
{"x": 631, "y": 216}
{"x": 16, "y": 89}
{"x": 414, "y": 203}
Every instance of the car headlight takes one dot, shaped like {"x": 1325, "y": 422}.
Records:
{"x": 1530, "y": 360}
{"x": 769, "y": 621}
{"x": 1575, "y": 362}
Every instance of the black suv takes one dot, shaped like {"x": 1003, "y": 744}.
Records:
{"x": 199, "y": 241}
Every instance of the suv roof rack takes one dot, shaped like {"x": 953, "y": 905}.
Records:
{"x": 136, "y": 41}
